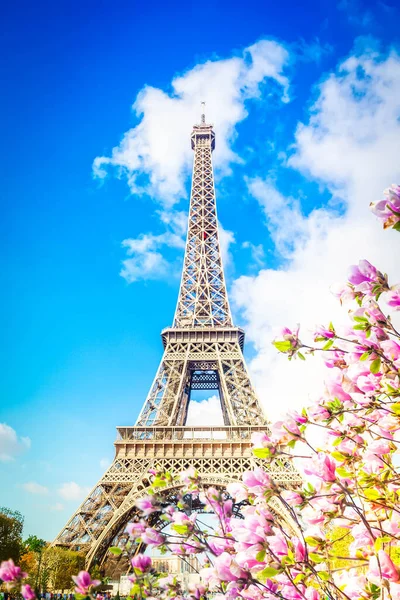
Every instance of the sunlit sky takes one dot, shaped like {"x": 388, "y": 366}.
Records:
{"x": 97, "y": 105}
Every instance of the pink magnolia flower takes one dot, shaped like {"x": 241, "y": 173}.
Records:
{"x": 136, "y": 529}
{"x": 334, "y": 385}
{"x": 292, "y": 341}
{"x": 259, "y": 439}
{"x": 197, "y": 591}
{"x": 146, "y": 505}
{"x": 394, "y": 297}
{"x": 312, "y": 594}
{"x": 166, "y": 582}
{"x": 385, "y": 566}
{"x": 365, "y": 277}
{"x": 321, "y": 466}
{"x": 364, "y": 271}
{"x": 246, "y": 559}
{"x": 318, "y": 412}
{"x": 379, "y": 447}
{"x": 278, "y": 544}
{"x": 190, "y": 476}
{"x": 151, "y": 537}
{"x": 141, "y": 562}
{"x": 388, "y": 210}
{"x": 258, "y": 481}
{"x": 344, "y": 292}
{"x": 292, "y": 498}
{"x": 354, "y": 585}
{"x": 391, "y": 350}
{"x": 362, "y": 538}
{"x": 214, "y": 499}
{"x": 27, "y": 592}
{"x": 10, "y": 572}
{"x": 249, "y": 531}
{"x": 368, "y": 384}
{"x": 323, "y": 332}
{"x": 226, "y": 568}
{"x": 83, "y": 582}
{"x": 299, "y": 550}
{"x": 237, "y": 491}
{"x": 285, "y": 431}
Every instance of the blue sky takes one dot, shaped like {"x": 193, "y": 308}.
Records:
{"x": 303, "y": 146}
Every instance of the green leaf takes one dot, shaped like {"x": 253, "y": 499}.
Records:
{"x": 282, "y": 346}
{"x": 360, "y": 319}
{"x": 135, "y": 590}
{"x": 268, "y": 572}
{"x": 262, "y": 452}
{"x": 338, "y": 456}
{"x": 260, "y": 556}
{"x": 396, "y": 227}
{"x": 181, "y": 529}
{"x": 365, "y": 355}
{"x": 395, "y": 408}
{"x": 312, "y": 541}
{"x": 375, "y": 365}
{"x": 337, "y": 441}
{"x": 343, "y": 472}
{"x": 301, "y": 356}
{"x": 328, "y": 344}
{"x": 317, "y": 558}
{"x": 115, "y": 550}
{"x": 158, "y": 482}
{"x": 380, "y": 541}
{"x": 371, "y": 494}
{"x": 324, "y": 575}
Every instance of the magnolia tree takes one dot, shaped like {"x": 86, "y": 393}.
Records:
{"x": 338, "y": 535}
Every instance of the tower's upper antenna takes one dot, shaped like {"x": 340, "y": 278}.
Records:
{"x": 203, "y": 108}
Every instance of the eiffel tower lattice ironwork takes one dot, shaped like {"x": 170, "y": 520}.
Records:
{"x": 202, "y": 351}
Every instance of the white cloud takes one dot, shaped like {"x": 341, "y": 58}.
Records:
{"x": 155, "y": 155}
{"x": 257, "y": 253}
{"x": 146, "y": 261}
{"x": 226, "y": 239}
{"x": 11, "y": 445}
{"x": 205, "y": 412}
{"x": 57, "y": 507}
{"x": 73, "y": 491}
{"x": 351, "y": 145}
{"x": 35, "y": 488}
{"x": 147, "y": 252}
{"x": 105, "y": 463}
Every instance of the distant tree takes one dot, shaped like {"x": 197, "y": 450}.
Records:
{"x": 29, "y": 564}
{"x": 11, "y": 525}
{"x": 35, "y": 545}
{"x": 58, "y": 566}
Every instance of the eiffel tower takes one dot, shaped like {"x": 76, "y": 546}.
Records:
{"x": 202, "y": 351}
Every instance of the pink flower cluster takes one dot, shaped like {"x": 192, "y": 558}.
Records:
{"x": 388, "y": 210}
{"x": 351, "y": 484}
